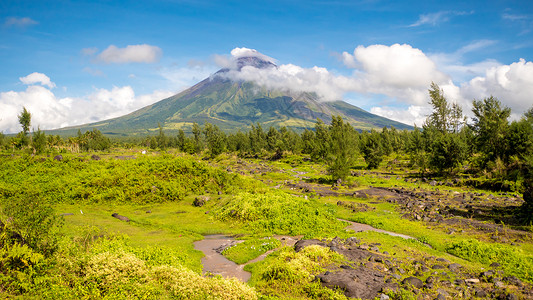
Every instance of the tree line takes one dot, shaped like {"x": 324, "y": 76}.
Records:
{"x": 490, "y": 145}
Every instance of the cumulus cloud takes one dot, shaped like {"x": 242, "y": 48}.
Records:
{"x": 36, "y": 77}
{"x": 49, "y": 111}
{"x": 131, "y": 54}
{"x": 399, "y": 77}
{"x": 413, "y": 115}
{"x": 19, "y": 22}
{"x": 511, "y": 84}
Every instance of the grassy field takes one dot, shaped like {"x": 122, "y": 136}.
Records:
{"x": 152, "y": 256}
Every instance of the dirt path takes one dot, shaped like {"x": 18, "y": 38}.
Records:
{"x": 215, "y": 263}
{"x": 358, "y": 227}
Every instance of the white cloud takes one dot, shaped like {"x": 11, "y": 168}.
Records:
{"x": 49, "y": 111}
{"x": 246, "y": 52}
{"x": 19, "y": 22}
{"x": 414, "y": 114}
{"x": 36, "y": 77}
{"x": 511, "y": 84}
{"x": 131, "y": 54}
{"x": 434, "y": 19}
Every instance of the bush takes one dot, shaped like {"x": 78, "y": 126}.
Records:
{"x": 280, "y": 213}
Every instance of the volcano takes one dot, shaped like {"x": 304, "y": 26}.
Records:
{"x": 237, "y": 104}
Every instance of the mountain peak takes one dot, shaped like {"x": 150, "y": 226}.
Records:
{"x": 253, "y": 61}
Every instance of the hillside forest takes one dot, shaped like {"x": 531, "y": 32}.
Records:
{"x": 93, "y": 217}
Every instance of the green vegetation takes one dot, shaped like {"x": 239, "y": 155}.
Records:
{"x": 462, "y": 191}
{"x": 249, "y": 249}
{"x": 287, "y": 274}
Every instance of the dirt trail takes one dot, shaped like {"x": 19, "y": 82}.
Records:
{"x": 215, "y": 263}
{"x": 357, "y": 227}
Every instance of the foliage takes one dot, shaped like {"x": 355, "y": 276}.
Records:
{"x": 146, "y": 179}
{"x": 286, "y": 273}
{"x": 372, "y": 150}
{"x": 341, "y": 148}
{"x": 25, "y": 120}
{"x": 31, "y": 221}
{"x": 39, "y": 141}
{"x": 280, "y": 213}
{"x": 249, "y": 249}
{"x": 490, "y": 126}
{"x": 514, "y": 262}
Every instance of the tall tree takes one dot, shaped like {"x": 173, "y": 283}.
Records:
{"x": 342, "y": 148}
{"x": 25, "y": 120}
{"x": 440, "y": 117}
{"x": 490, "y": 126}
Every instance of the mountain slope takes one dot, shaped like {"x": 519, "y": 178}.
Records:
{"x": 234, "y": 105}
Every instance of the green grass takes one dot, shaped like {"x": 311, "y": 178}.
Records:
{"x": 250, "y": 249}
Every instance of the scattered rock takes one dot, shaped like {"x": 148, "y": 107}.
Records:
{"x": 417, "y": 283}
{"x": 122, "y": 218}
{"x": 454, "y": 267}
{"x": 472, "y": 281}
{"x": 58, "y": 157}
{"x": 200, "y": 201}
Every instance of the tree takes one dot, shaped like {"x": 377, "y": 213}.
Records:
{"x": 321, "y": 141}
{"x": 416, "y": 147}
{"x": 215, "y": 138}
{"x": 162, "y": 140}
{"x": 440, "y": 117}
{"x": 490, "y": 127}
{"x": 39, "y": 141}
{"x": 341, "y": 149}
{"x": 372, "y": 149}
{"x": 197, "y": 133}
{"x": 25, "y": 122}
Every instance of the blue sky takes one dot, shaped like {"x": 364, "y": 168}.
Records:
{"x": 72, "y": 62}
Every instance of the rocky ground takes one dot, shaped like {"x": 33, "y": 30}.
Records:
{"x": 370, "y": 273}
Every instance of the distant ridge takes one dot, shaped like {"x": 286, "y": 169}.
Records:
{"x": 234, "y": 105}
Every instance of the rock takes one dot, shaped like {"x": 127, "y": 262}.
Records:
{"x": 352, "y": 241}
{"x": 304, "y": 243}
{"x": 513, "y": 280}
{"x": 440, "y": 297}
{"x": 437, "y": 267}
{"x": 443, "y": 260}
{"x": 95, "y": 157}
{"x": 200, "y": 201}
{"x": 481, "y": 294}
{"x": 384, "y": 297}
{"x": 499, "y": 284}
{"x": 361, "y": 282}
{"x": 472, "y": 281}
{"x": 148, "y": 211}
{"x": 58, "y": 157}
{"x": 67, "y": 214}
{"x": 454, "y": 267}
{"x": 122, "y": 218}
{"x": 417, "y": 283}
{"x": 494, "y": 265}
{"x": 459, "y": 282}
{"x": 430, "y": 279}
